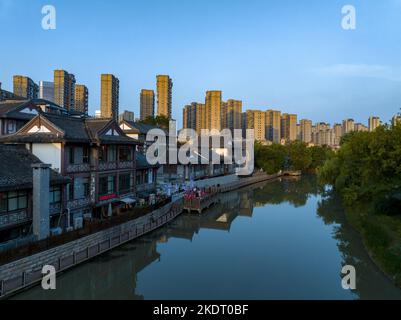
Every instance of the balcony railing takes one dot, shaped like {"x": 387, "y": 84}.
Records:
{"x": 79, "y": 203}
{"x": 107, "y": 166}
{"x": 83, "y": 167}
{"x": 15, "y": 217}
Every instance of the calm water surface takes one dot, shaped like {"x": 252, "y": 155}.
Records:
{"x": 279, "y": 240}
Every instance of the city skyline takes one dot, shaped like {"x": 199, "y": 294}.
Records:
{"x": 333, "y": 75}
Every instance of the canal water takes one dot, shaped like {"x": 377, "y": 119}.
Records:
{"x": 277, "y": 240}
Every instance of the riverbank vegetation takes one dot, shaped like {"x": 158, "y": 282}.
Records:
{"x": 294, "y": 156}
{"x": 366, "y": 172}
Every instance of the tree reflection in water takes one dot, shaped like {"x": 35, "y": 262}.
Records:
{"x": 115, "y": 274}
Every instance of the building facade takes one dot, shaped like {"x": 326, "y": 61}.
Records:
{"x": 289, "y": 127}
{"x": 94, "y": 153}
{"x": 81, "y": 98}
{"x": 374, "y": 122}
{"x": 273, "y": 126}
{"x": 19, "y": 191}
{"x": 46, "y": 91}
{"x": 256, "y": 120}
{"x": 306, "y": 130}
{"x": 64, "y": 89}
{"x": 25, "y": 87}
{"x": 110, "y": 96}
{"x": 147, "y": 104}
{"x": 164, "y": 95}
{"x": 213, "y": 104}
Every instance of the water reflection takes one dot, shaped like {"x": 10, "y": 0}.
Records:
{"x": 265, "y": 257}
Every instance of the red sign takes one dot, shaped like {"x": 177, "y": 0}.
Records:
{"x": 108, "y": 197}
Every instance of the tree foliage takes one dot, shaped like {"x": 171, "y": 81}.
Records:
{"x": 367, "y": 167}
{"x": 294, "y": 156}
{"x": 158, "y": 121}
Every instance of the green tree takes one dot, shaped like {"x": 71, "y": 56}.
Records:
{"x": 299, "y": 157}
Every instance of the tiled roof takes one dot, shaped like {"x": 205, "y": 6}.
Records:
{"x": 16, "y": 171}
{"x": 141, "y": 127}
{"x": 72, "y": 129}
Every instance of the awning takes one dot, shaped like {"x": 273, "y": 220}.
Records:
{"x": 128, "y": 200}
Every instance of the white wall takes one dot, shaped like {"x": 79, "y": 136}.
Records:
{"x": 48, "y": 153}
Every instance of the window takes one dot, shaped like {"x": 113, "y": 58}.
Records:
{"x": 11, "y": 127}
{"x": 86, "y": 187}
{"x": 85, "y": 155}
{"x": 55, "y": 195}
{"x": 107, "y": 185}
{"x": 111, "y": 154}
{"x": 138, "y": 178}
{"x": 125, "y": 182}
{"x": 71, "y": 191}
{"x": 11, "y": 201}
{"x": 102, "y": 154}
{"x": 71, "y": 155}
{"x": 125, "y": 154}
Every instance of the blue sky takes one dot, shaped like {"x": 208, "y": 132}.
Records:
{"x": 284, "y": 54}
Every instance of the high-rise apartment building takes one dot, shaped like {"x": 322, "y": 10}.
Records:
{"x": 256, "y": 119}
{"x": 81, "y": 98}
{"x": 164, "y": 95}
{"x": 189, "y": 116}
{"x": 273, "y": 126}
{"x": 396, "y": 120}
{"x": 359, "y": 127}
{"x": 348, "y": 126}
{"x": 147, "y": 101}
{"x": 46, "y": 90}
{"x": 289, "y": 121}
{"x": 213, "y": 110}
{"x": 64, "y": 89}
{"x": 374, "y": 122}
{"x": 25, "y": 87}
{"x": 306, "y": 130}
{"x": 200, "y": 117}
{"x": 110, "y": 91}
{"x": 233, "y": 114}
{"x": 126, "y": 116}
{"x": 338, "y": 132}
